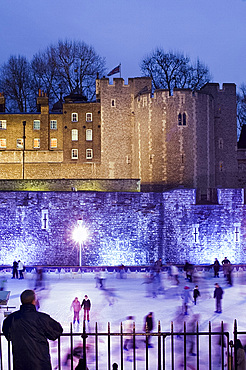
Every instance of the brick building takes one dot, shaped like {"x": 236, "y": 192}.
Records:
{"x": 187, "y": 139}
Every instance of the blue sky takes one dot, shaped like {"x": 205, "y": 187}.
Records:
{"x": 124, "y": 31}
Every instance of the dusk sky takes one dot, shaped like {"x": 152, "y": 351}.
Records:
{"x": 124, "y": 31}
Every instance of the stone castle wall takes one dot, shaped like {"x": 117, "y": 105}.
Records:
{"x": 128, "y": 228}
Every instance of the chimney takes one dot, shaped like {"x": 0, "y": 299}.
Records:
{"x": 2, "y": 103}
{"x": 42, "y": 102}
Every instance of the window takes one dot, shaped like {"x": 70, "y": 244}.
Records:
{"x": 2, "y": 143}
{"x": 195, "y": 233}
{"x": 182, "y": 119}
{"x": 75, "y": 135}
{"x": 53, "y": 143}
{"x": 74, "y": 117}
{"x": 75, "y": 154}
{"x": 221, "y": 166}
{"x": 237, "y": 233}
{"x": 53, "y": 124}
{"x": 221, "y": 143}
{"x": 89, "y": 153}
{"x": 88, "y": 117}
{"x": 45, "y": 219}
{"x": 36, "y": 124}
{"x": 89, "y": 135}
{"x": 19, "y": 143}
{"x": 3, "y": 125}
{"x": 113, "y": 103}
{"x": 36, "y": 143}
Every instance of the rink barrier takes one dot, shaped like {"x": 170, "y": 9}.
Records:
{"x": 114, "y": 269}
{"x": 166, "y": 357}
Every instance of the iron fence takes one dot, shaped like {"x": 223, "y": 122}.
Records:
{"x": 196, "y": 349}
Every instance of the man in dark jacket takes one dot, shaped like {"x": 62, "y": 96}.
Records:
{"x": 218, "y": 293}
{"x": 148, "y": 326}
{"x": 28, "y": 330}
{"x": 87, "y": 306}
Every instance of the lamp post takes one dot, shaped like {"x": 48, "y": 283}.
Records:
{"x": 24, "y": 148}
{"x": 80, "y": 234}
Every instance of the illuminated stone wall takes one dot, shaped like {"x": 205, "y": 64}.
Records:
{"x": 128, "y": 228}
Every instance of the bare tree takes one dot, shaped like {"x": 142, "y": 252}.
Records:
{"x": 45, "y": 74}
{"x": 169, "y": 71}
{"x": 15, "y": 80}
{"x": 241, "y": 107}
{"x": 70, "y": 65}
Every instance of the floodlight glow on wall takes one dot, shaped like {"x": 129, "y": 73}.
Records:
{"x": 80, "y": 234}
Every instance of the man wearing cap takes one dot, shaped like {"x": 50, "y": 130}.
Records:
{"x": 28, "y": 330}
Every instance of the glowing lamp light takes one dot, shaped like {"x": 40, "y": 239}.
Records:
{"x": 80, "y": 234}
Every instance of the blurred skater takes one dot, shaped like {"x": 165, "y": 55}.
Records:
{"x": 148, "y": 327}
{"x": 102, "y": 278}
{"x": 39, "y": 279}
{"x": 186, "y": 299}
{"x": 175, "y": 274}
{"x": 128, "y": 328}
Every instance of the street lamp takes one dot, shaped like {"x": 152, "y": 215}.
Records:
{"x": 80, "y": 234}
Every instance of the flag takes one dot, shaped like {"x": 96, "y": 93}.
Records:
{"x": 114, "y": 71}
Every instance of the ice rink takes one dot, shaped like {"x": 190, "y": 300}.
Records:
{"x": 132, "y": 295}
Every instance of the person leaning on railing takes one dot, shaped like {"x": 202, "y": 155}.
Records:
{"x": 28, "y": 330}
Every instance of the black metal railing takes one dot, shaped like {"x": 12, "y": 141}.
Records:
{"x": 194, "y": 349}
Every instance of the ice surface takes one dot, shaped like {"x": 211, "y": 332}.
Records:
{"x": 131, "y": 296}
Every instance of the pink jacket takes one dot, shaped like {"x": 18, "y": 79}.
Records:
{"x": 76, "y": 305}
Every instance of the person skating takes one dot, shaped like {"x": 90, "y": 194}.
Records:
{"x": 196, "y": 294}
{"x": 128, "y": 328}
{"x": 186, "y": 299}
{"x": 86, "y": 303}
{"x": 148, "y": 327}
{"x": 218, "y": 293}
{"x": 76, "y": 309}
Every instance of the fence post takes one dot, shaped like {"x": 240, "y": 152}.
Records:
{"x": 235, "y": 339}
{"x": 209, "y": 346}
{"x": 185, "y": 344}
{"x": 222, "y": 343}
{"x": 96, "y": 345}
{"x": 121, "y": 346}
{"x": 71, "y": 344}
{"x": 109, "y": 365}
{"x": 84, "y": 336}
{"x": 159, "y": 345}
{"x": 172, "y": 345}
{"x": 197, "y": 346}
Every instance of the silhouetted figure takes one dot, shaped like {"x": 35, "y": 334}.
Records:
{"x": 196, "y": 294}
{"x": 28, "y": 330}
{"x": 218, "y": 293}
{"x": 216, "y": 267}
{"x": 15, "y": 270}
